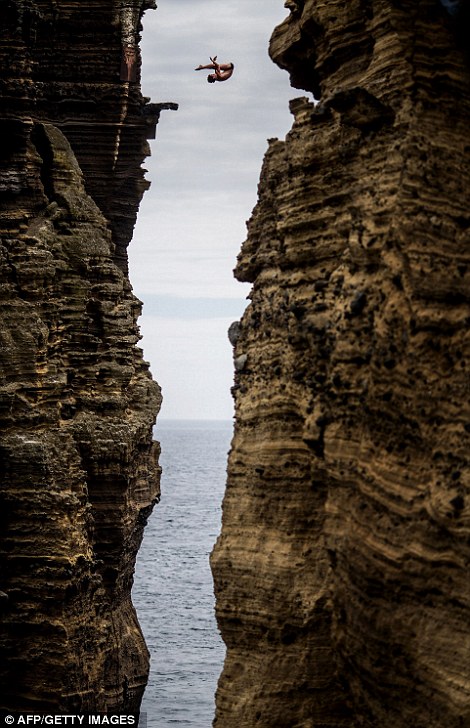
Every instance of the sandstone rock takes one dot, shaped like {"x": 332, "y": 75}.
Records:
{"x": 234, "y": 332}
{"x": 79, "y": 470}
{"x": 240, "y": 362}
{"x": 342, "y": 568}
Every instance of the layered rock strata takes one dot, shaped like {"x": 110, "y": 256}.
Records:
{"x": 79, "y": 469}
{"x": 342, "y": 569}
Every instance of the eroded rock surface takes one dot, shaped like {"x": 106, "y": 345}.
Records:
{"x": 342, "y": 569}
{"x": 79, "y": 470}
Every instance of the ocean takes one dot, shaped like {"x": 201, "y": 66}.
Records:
{"x": 173, "y": 590}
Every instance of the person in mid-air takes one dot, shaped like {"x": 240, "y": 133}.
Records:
{"x": 222, "y": 71}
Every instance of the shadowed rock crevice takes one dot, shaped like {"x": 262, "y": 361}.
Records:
{"x": 341, "y": 571}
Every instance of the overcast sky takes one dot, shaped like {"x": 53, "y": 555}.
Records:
{"x": 204, "y": 172}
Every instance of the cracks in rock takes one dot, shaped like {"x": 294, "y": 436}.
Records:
{"x": 361, "y": 109}
{"x": 43, "y": 147}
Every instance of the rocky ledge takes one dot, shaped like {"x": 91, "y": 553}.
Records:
{"x": 342, "y": 569}
{"x": 79, "y": 469}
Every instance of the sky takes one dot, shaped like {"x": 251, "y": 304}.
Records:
{"x": 204, "y": 170}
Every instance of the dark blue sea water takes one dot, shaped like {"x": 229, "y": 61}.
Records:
{"x": 173, "y": 590}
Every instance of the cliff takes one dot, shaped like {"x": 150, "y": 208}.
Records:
{"x": 342, "y": 568}
{"x": 79, "y": 469}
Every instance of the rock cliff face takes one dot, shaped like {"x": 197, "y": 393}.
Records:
{"x": 342, "y": 569}
{"x": 79, "y": 470}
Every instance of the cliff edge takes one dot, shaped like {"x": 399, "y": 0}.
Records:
{"x": 342, "y": 568}
{"x": 79, "y": 469}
